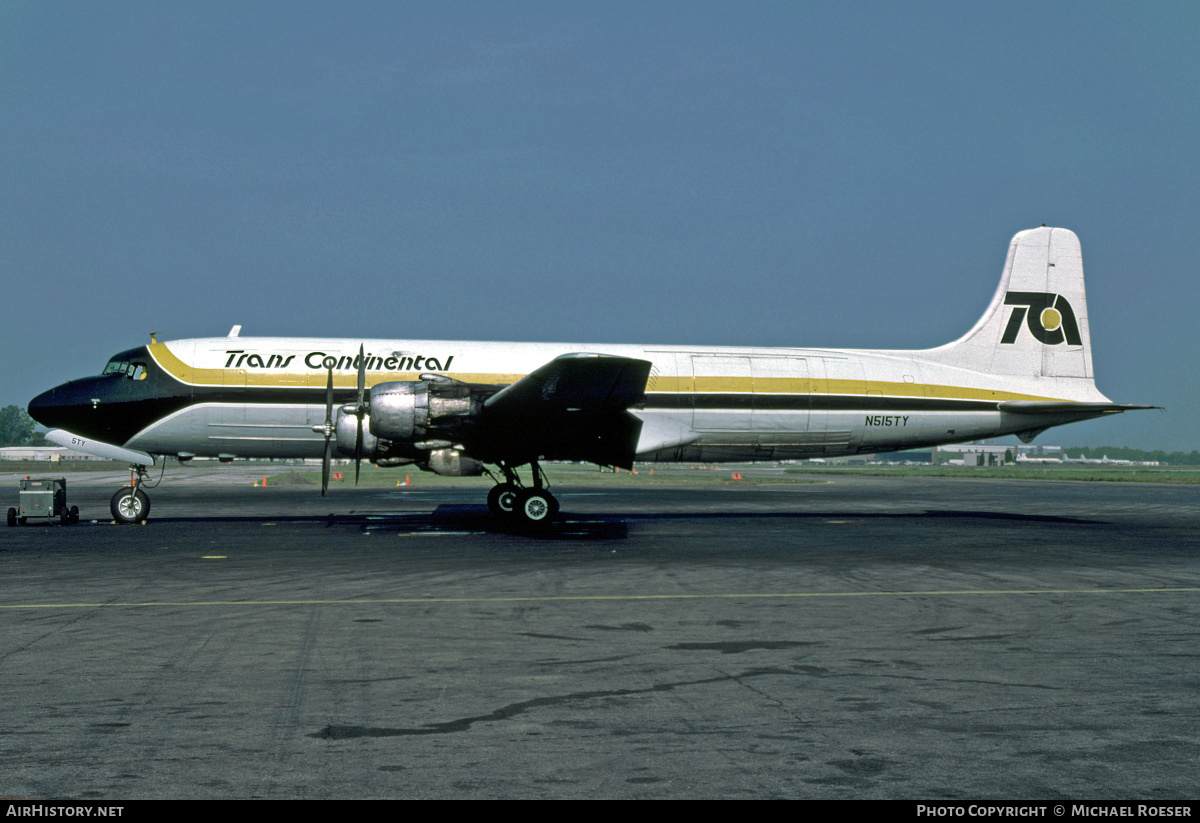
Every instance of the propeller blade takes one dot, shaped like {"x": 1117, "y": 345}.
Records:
{"x": 362, "y": 379}
{"x": 325, "y": 467}
{"x": 329, "y": 403}
{"x": 328, "y": 432}
{"x": 360, "y": 410}
{"x": 358, "y": 450}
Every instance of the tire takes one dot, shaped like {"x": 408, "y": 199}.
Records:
{"x": 129, "y": 507}
{"x": 74, "y": 515}
{"x": 502, "y": 500}
{"x": 12, "y": 517}
{"x": 536, "y": 507}
{"x": 64, "y": 517}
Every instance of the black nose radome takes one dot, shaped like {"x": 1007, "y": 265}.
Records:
{"x": 42, "y": 408}
{"x": 66, "y": 406}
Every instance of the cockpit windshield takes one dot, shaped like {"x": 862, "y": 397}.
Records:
{"x": 134, "y": 371}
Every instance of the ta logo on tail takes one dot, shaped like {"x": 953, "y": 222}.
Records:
{"x": 1050, "y": 318}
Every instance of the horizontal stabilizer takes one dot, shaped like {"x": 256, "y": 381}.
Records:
{"x": 1066, "y": 407}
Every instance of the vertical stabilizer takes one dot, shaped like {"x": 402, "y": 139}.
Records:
{"x": 1036, "y": 325}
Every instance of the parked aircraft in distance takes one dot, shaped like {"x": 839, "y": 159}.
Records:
{"x": 455, "y": 407}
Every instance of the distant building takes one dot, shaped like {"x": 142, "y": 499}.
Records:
{"x": 51, "y": 454}
{"x": 974, "y": 454}
{"x": 985, "y": 454}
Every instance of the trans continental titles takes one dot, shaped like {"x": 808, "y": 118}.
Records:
{"x": 319, "y": 360}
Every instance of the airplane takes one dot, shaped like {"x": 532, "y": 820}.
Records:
{"x": 457, "y": 407}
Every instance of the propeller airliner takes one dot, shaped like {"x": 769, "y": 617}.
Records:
{"x": 457, "y": 407}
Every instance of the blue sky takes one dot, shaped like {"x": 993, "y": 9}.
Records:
{"x": 809, "y": 174}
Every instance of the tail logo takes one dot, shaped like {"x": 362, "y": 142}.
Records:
{"x": 1049, "y": 317}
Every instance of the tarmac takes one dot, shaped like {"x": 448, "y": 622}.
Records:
{"x": 864, "y": 637}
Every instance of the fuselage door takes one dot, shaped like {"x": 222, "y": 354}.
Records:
{"x": 723, "y": 397}
{"x": 782, "y": 395}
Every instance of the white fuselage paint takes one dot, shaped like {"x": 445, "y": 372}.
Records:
{"x": 878, "y": 408}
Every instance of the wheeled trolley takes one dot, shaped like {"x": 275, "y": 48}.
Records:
{"x": 44, "y": 497}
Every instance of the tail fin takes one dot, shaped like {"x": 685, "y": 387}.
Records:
{"x": 1036, "y": 325}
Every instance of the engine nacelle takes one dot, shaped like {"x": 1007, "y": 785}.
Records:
{"x": 403, "y": 412}
{"x": 347, "y": 433}
{"x": 453, "y": 463}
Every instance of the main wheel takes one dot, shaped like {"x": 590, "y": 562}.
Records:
{"x": 12, "y": 517}
{"x": 537, "y": 507}
{"x": 74, "y": 515}
{"x": 129, "y": 506}
{"x": 502, "y": 499}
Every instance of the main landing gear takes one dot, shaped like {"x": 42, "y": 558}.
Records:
{"x": 511, "y": 502}
{"x": 130, "y": 504}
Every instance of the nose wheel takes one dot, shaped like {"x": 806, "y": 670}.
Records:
{"x": 130, "y": 504}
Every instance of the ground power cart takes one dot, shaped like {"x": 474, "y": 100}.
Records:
{"x": 46, "y": 498}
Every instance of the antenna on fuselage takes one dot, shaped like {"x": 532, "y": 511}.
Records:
{"x": 235, "y": 331}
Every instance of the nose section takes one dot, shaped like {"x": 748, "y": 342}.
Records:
{"x": 67, "y": 406}
{"x": 45, "y": 406}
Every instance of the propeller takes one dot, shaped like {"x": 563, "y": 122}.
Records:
{"x": 360, "y": 410}
{"x": 330, "y": 431}
{"x": 327, "y": 430}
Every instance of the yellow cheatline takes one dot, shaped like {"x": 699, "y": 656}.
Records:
{"x": 196, "y": 376}
{"x": 193, "y": 375}
{"x": 791, "y": 385}
{"x": 584, "y": 598}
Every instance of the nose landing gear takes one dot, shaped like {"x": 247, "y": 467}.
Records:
{"x": 130, "y": 504}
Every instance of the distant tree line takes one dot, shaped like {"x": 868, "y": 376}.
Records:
{"x": 17, "y": 428}
{"x": 1191, "y": 458}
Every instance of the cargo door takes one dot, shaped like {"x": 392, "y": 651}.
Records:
{"x": 782, "y": 399}
{"x": 723, "y": 396}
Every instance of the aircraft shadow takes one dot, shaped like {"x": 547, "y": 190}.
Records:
{"x": 476, "y": 519}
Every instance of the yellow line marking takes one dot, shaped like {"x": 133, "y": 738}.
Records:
{"x": 312, "y": 379}
{"x": 213, "y": 557}
{"x": 583, "y": 598}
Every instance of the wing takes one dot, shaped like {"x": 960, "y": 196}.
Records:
{"x": 576, "y": 407}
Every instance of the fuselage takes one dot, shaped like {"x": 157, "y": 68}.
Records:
{"x": 261, "y": 397}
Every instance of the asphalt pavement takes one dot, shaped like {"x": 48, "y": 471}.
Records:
{"x": 858, "y": 638}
